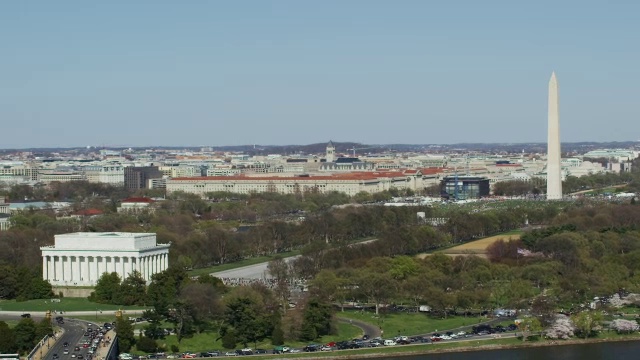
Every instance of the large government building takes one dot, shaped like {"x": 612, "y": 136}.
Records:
{"x": 79, "y": 259}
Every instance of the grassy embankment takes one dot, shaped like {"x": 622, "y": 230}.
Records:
{"x": 65, "y": 304}
{"x": 410, "y": 323}
{"x": 209, "y": 340}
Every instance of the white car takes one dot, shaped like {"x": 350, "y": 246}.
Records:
{"x": 389, "y": 343}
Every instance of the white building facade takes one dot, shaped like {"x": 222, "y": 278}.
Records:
{"x": 79, "y": 259}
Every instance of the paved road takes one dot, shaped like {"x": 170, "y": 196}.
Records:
{"x": 73, "y": 332}
{"x": 259, "y": 271}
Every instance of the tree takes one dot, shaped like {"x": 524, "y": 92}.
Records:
{"x": 375, "y": 286}
{"x": 147, "y": 345}
{"x": 229, "y": 340}
{"x": 153, "y": 329}
{"x": 204, "y": 304}
{"x": 277, "y": 335}
{"x": 561, "y": 328}
{"x": 165, "y": 288}
{"x": 586, "y": 322}
{"x": 624, "y": 326}
{"x": 133, "y": 290}
{"x": 246, "y": 317}
{"x": 279, "y": 269}
{"x": 8, "y": 342}
{"x": 529, "y": 325}
{"x": 126, "y": 340}
{"x": 25, "y": 334}
{"x": 182, "y": 317}
{"x": 107, "y": 290}
{"x": 317, "y": 320}
{"x": 43, "y": 328}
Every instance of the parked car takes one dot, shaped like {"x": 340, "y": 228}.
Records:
{"x": 389, "y": 342}
{"x": 311, "y": 348}
{"x": 281, "y": 349}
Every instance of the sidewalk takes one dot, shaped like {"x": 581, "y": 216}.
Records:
{"x": 105, "y": 345}
{"x": 51, "y": 341}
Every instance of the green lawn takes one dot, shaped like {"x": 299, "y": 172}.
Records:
{"x": 11, "y": 323}
{"x": 410, "y": 324}
{"x": 65, "y": 304}
{"x": 207, "y": 341}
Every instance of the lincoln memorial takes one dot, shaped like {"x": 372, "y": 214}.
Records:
{"x": 79, "y": 259}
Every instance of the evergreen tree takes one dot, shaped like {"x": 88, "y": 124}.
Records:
{"x": 133, "y": 290}
{"x": 25, "y": 334}
{"x": 107, "y": 290}
{"x": 43, "y": 328}
{"x": 126, "y": 340}
{"x": 7, "y": 339}
{"x": 317, "y": 320}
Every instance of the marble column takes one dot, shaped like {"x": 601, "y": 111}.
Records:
{"x": 86, "y": 275}
{"x": 65, "y": 274}
{"x": 97, "y": 267}
{"x": 75, "y": 272}
{"x": 51, "y": 268}
{"x": 138, "y": 269}
{"x": 45, "y": 270}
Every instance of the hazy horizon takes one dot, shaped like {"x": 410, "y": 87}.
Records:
{"x": 154, "y": 73}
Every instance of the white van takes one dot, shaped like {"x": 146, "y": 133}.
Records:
{"x": 389, "y": 343}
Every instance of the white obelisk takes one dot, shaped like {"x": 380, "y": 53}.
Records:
{"x": 554, "y": 180}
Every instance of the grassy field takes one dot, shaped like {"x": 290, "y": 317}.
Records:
{"x": 410, "y": 324}
{"x": 207, "y": 341}
{"x": 480, "y": 246}
{"x": 477, "y": 247}
{"x": 65, "y": 304}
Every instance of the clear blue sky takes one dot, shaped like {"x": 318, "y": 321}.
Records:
{"x": 137, "y": 73}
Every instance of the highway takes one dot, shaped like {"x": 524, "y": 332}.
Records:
{"x": 73, "y": 333}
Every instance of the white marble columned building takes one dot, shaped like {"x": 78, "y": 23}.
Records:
{"x": 79, "y": 259}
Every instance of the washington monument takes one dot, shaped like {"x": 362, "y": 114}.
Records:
{"x": 554, "y": 181}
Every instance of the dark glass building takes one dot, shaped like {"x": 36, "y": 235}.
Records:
{"x": 136, "y": 178}
{"x": 463, "y": 187}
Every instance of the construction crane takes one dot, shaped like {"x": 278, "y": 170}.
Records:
{"x": 361, "y": 148}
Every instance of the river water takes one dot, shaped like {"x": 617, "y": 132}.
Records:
{"x": 593, "y": 351}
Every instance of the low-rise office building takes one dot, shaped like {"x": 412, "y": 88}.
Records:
{"x": 350, "y": 184}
